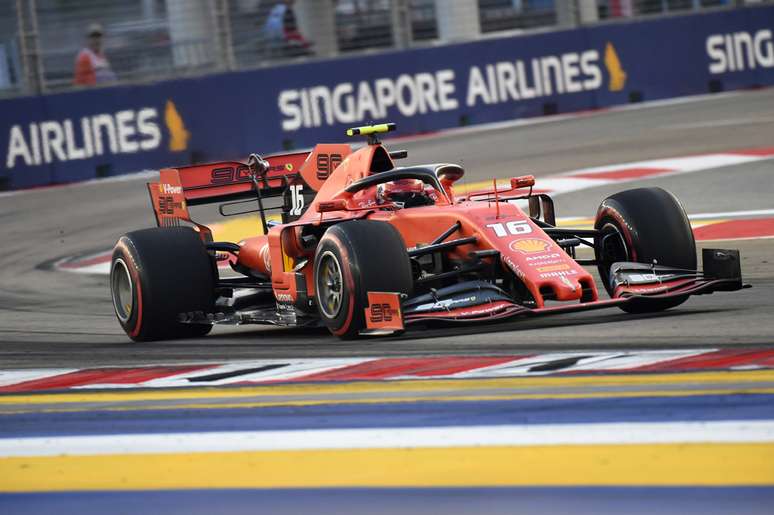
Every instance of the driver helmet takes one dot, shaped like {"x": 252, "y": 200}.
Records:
{"x": 403, "y": 192}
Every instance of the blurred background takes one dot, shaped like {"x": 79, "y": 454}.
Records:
{"x": 98, "y": 88}
{"x": 151, "y": 40}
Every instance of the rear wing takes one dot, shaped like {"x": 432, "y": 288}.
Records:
{"x": 213, "y": 182}
{"x": 228, "y": 181}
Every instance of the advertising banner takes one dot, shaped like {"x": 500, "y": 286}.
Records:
{"x": 109, "y": 131}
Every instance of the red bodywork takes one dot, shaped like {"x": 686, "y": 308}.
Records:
{"x": 525, "y": 250}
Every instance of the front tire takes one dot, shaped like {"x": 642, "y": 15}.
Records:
{"x": 155, "y": 275}
{"x": 644, "y": 225}
{"x": 352, "y": 259}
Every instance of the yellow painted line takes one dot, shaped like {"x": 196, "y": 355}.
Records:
{"x": 701, "y": 223}
{"x": 585, "y": 223}
{"x": 461, "y": 189}
{"x": 419, "y": 386}
{"x": 239, "y": 228}
{"x": 579, "y": 223}
{"x": 388, "y": 400}
{"x": 587, "y": 465}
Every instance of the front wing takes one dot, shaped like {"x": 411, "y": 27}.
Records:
{"x": 633, "y": 283}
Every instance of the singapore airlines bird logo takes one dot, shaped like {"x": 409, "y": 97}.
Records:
{"x": 178, "y": 134}
{"x": 614, "y": 69}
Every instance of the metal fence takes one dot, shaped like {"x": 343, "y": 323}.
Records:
{"x": 148, "y": 40}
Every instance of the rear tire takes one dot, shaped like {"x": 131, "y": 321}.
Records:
{"x": 644, "y": 225}
{"x": 352, "y": 259}
{"x": 155, "y": 275}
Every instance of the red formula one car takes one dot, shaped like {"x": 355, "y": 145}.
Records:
{"x": 368, "y": 247}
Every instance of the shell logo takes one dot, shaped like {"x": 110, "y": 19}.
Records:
{"x": 530, "y": 245}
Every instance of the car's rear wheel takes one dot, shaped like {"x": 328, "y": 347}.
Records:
{"x": 352, "y": 259}
{"x": 155, "y": 275}
{"x": 644, "y": 225}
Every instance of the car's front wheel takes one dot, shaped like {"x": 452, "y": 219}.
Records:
{"x": 644, "y": 225}
{"x": 352, "y": 259}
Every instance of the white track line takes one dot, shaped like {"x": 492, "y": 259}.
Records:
{"x": 12, "y": 377}
{"x": 303, "y": 368}
{"x": 382, "y": 438}
{"x": 671, "y": 165}
{"x": 589, "y": 361}
{"x": 293, "y": 369}
{"x": 732, "y": 214}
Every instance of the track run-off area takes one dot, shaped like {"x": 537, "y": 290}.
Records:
{"x": 585, "y": 413}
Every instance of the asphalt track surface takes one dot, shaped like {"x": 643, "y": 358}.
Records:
{"x": 50, "y": 318}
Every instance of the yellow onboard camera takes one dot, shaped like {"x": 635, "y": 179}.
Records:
{"x": 371, "y": 131}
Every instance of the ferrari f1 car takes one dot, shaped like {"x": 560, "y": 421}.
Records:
{"x": 367, "y": 247}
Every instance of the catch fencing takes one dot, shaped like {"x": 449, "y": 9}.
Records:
{"x": 152, "y": 40}
{"x": 101, "y": 132}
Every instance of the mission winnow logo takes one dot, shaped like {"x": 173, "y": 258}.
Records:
{"x": 104, "y": 134}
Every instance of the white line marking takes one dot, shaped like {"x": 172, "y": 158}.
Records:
{"x": 98, "y": 269}
{"x": 12, "y": 377}
{"x": 719, "y": 123}
{"x": 586, "y": 361}
{"x": 384, "y": 438}
{"x": 740, "y": 239}
{"x": 294, "y": 369}
{"x": 732, "y": 214}
{"x": 566, "y": 184}
{"x": 697, "y": 216}
{"x": 303, "y": 368}
{"x": 672, "y": 164}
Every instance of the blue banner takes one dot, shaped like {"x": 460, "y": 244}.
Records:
{"x": 103, "y": 132}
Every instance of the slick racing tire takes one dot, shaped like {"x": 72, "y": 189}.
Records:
{"x": 155, "y": 275}
{"x": 352, "y": 259}
{"x": 644, "y": 225}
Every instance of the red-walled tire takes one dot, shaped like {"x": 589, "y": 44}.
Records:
{"x": 352, "y": 259}
{"x": 644, "y": 225}
{"x": 155, "y": 275}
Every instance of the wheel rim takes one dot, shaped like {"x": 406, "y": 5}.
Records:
{"x": 122, "y": 290}
{"x": 612, "y": 246}
{"x": 330, "y": 285}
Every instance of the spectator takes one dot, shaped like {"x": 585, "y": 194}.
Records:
{"x": 281, "y": 31}
{"x": 91, "y": 65}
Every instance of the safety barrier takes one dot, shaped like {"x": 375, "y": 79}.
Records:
{"x": 104, "y": 132}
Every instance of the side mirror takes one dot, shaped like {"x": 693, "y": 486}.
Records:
{"x": 449, "y": 174}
